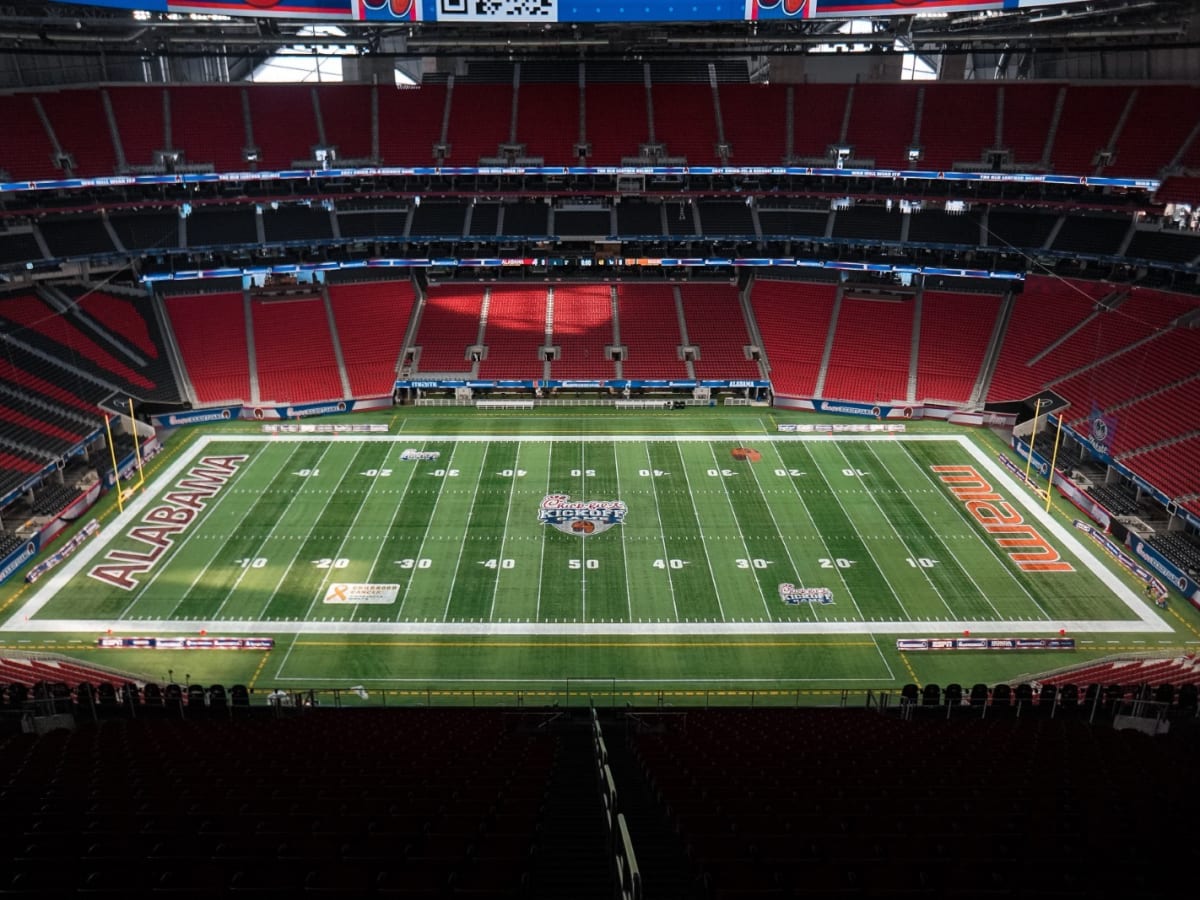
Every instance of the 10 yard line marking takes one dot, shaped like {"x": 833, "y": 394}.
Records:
{"x": 193, "y": 530}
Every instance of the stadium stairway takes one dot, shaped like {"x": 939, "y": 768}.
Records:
{"x": 667, "y": 873}
{"x": 572, "y": 859}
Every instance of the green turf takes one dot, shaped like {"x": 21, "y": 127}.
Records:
{"x": 487, "y": 598}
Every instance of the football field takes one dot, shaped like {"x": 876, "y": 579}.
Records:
{"x": 480, "y": 558}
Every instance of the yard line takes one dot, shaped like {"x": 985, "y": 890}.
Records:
{"x": 991, "y": 549}
{"x": 504, "y": 534}
{"x": 966, "y": 571}
{"x": 787, "y": 549}
{"x": 193, "y": 529}
{"x": 661, "y": 531}
{"x": 537, "y": 610}
{"x": 704, "y": 544}
{"x": 624, "y": 553}
{"x": 866, "y": 546}
{"x": 896, "y": 532}
{"x": 342, "y": 546}
{"x": 425, "y": 536}
{"x": 299, "y": 544}
{"x": 412, "y": 470}
{"x": 583, "y": 542}
{"x": 808, "y": 513}
{"x": 463, "y": 543}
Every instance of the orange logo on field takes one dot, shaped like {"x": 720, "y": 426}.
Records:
{"x": 747, "y": 453}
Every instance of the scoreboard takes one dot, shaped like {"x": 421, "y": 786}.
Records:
{"x": 500, "y": 12}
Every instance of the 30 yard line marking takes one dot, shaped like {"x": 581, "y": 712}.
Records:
{"x": 425, "y": 537}
{"x": 786, "y": 546}
{"x": 412, "y": 470}
{"x": 512, "y": 486}
{"x": 732, "y": 512}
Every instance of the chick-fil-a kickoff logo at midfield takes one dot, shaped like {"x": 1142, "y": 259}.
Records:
{"x": 581, "y": 517}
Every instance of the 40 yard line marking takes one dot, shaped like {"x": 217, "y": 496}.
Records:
{"x": 463, "y": 544}
{"x": 662, "y": 531}
{"x": 624, "y": 552}
{"x": 537, "y": 612}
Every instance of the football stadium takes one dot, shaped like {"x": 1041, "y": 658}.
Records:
{"x": 739, "y": 450}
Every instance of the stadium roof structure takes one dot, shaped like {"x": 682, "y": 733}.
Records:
{"x": 126, "y": 40}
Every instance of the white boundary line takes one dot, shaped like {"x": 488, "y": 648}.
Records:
{"x": 1146, "y": 622}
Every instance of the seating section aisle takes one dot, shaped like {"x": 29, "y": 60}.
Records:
{"x": 582, "y": 329}
{"x": 793, "y": 319}
{"x": 211, "y": 332}
{"x": 685, "y": 121}
{"x": 1042, "y": 314}
{"x": 294, "y": 351}
{"x": 44, "y": 328}
{"x": 1028, "y": 111}
{"x": 716, "y": 326}
{"x": 449, "y": 325}
{"x": 817, "y": 115}
{"x": 755, "y": 119}
{"x": 871, "y": 350}
{"x": 27, "y": 151}
{"x": 81, "y": 127}
{"x": 1140, "y": 151}
{"x": 958, "y": 122}
{"x": 650, "y": 331}
{"x": 549, "y": 138}
{"x": 616, "y": 122}
{"x": 516, "y": 331}
{"x": 346, "y": 114}
{"x": 955, "y": 332}
{"x": 410, "y": 123}
{"x": 372, "y": 319}
{"x": 139, "y": 116}
{"x": 1088, "y": 119}
{"x": 881, "y": 123}
{"x": 480, "y": 117}
{"x": 285, "y": 124}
